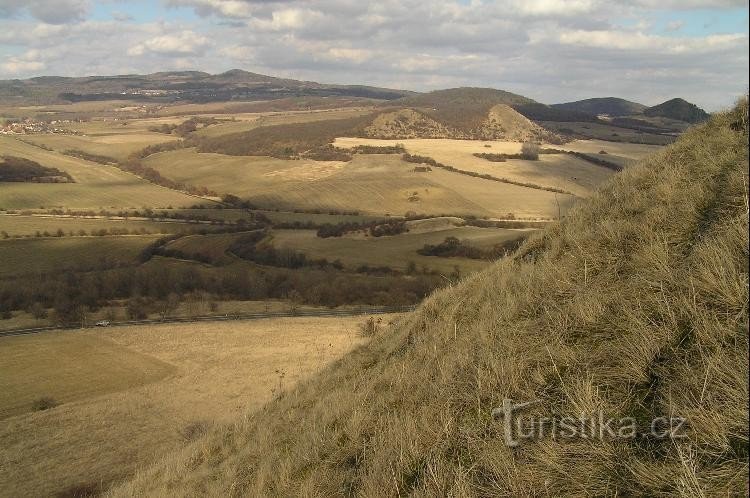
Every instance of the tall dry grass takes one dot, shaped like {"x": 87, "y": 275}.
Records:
{"x": 635, "y": 305}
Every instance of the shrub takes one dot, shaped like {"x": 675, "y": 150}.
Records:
{"x": 530, "y": 151}
{"x": 194, "y": 430}
{"x": 370, "y": 327}
{"x": 43, "y": 403}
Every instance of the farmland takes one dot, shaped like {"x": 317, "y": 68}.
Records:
{"x": 26, "y": 226}
{"x": 372, "y": 184}
{"x": 157, "y": 387}
{"x": 395, "y": 251}
{"x": 96, "y": 185}
{"x": 23, "y": 256}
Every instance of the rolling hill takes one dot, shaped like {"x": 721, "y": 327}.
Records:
{"x": 612, "y": 106}
{"x": 678, "y": 109}
{"x": 463, "y": 113}
{"x": 634, "y": 307}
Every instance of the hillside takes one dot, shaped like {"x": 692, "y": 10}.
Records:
{"x": 612, "y": 106}
{"x": 182, "y": 86}
{"x": 634, "y": 306}
{"x": 678, "y": 109}
{"x": 462, "y": 113}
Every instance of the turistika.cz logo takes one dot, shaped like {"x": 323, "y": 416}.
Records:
{"x": 517, "y": 427}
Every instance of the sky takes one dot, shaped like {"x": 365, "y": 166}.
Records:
{"x": 550, "y": 50}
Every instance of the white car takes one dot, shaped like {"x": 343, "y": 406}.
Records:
{"x": 103, "y": 323}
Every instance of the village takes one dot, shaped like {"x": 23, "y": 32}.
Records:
{"x": 29, "y": 126}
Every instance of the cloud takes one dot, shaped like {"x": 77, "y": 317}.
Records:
{"x": 122, "y": 16}
{"x": 550, "y": 50}
{"x": 183, "y": 43}
{"x": 49, "y": 11}
{"x": 673, "y": 26}
{"x": 28, "y": 62}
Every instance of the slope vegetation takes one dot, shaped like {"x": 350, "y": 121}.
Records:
{"x": 461, "y": 113}
{"x": 634, "y": 306}
{"x": 606, "y": 105}
{"x": 679, "y": 109}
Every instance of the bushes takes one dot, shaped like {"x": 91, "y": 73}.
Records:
{"x": 453, "y": 247}
{"x": 43, "y": 403}
{"x": 530, "y": 151}
{"x": 375, "y": 228}
{"x": 18, "y": 169}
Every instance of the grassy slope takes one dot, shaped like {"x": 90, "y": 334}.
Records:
{"x": 97, "y": 186}
{"x": 635, "y": 305}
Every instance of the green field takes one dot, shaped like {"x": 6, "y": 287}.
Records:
{"x": 97, "y": 186}
{"x": 39, "y": 255}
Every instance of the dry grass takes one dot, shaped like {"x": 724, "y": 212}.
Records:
{"x": 636, "y": 305}
{"x": 97, "y": 186}
{"x": 394, "y": 251}
{"x": 551, "y": 170}
{"x": 24, "y": 256}
{"x": 67, "y": 367}
{"x": 374, "y": 184}
{"x": 115, "y": 145}
{"x": 19, "y": 225}
{"x": 218, "y": 372}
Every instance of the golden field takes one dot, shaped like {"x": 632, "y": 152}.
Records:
{"x": 182, "y": 379}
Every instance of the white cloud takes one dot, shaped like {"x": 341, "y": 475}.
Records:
{"x": 49, "y": 11}
{"x": 183, "y": 43}
{"x": 550, "y": 50}
{"x": 28, "y": 62}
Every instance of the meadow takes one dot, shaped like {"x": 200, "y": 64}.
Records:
{"x": 157, "y": 387}
{"x": 560, "y": 171}
{"x": 96, "y": 186}
{"x": 396, "y": 251}
{"x": 39, "y": 255}
{"x": 373, "y": 184}
{"x": 26, "y": 226}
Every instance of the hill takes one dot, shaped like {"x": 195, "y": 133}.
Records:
{"x": 634, "y": 307}
{"x": 611, "y": 106}
{"x": 182, "y": 86}
{"x": 462, "y": 113}
{"x": 678, "y": 109}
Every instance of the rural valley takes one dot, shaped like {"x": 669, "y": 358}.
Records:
{"x": 240, "y": 284}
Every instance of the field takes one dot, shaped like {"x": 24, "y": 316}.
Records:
{"x": 371, "y": 184}
{"x": 118, "y": 146}
{"x": 19, "y": 225}
{"x": 600, "y": 131}
{"x": 76, "y": 360}
{"x": 23, "y": 256}
{"x": 97, "y": 186}
{"x": 183, "y": 379}
{"x": 394, "y": 251}
{"x": 248, "y": 121}
{"x": 559, "y": 171}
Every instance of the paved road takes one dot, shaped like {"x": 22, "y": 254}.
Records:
{"x": 243, "y": 316}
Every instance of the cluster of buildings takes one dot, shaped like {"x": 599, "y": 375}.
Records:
{"x": 30, "y": 127}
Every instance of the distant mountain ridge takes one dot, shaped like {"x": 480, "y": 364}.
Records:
{"x": 187, "y": 86}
